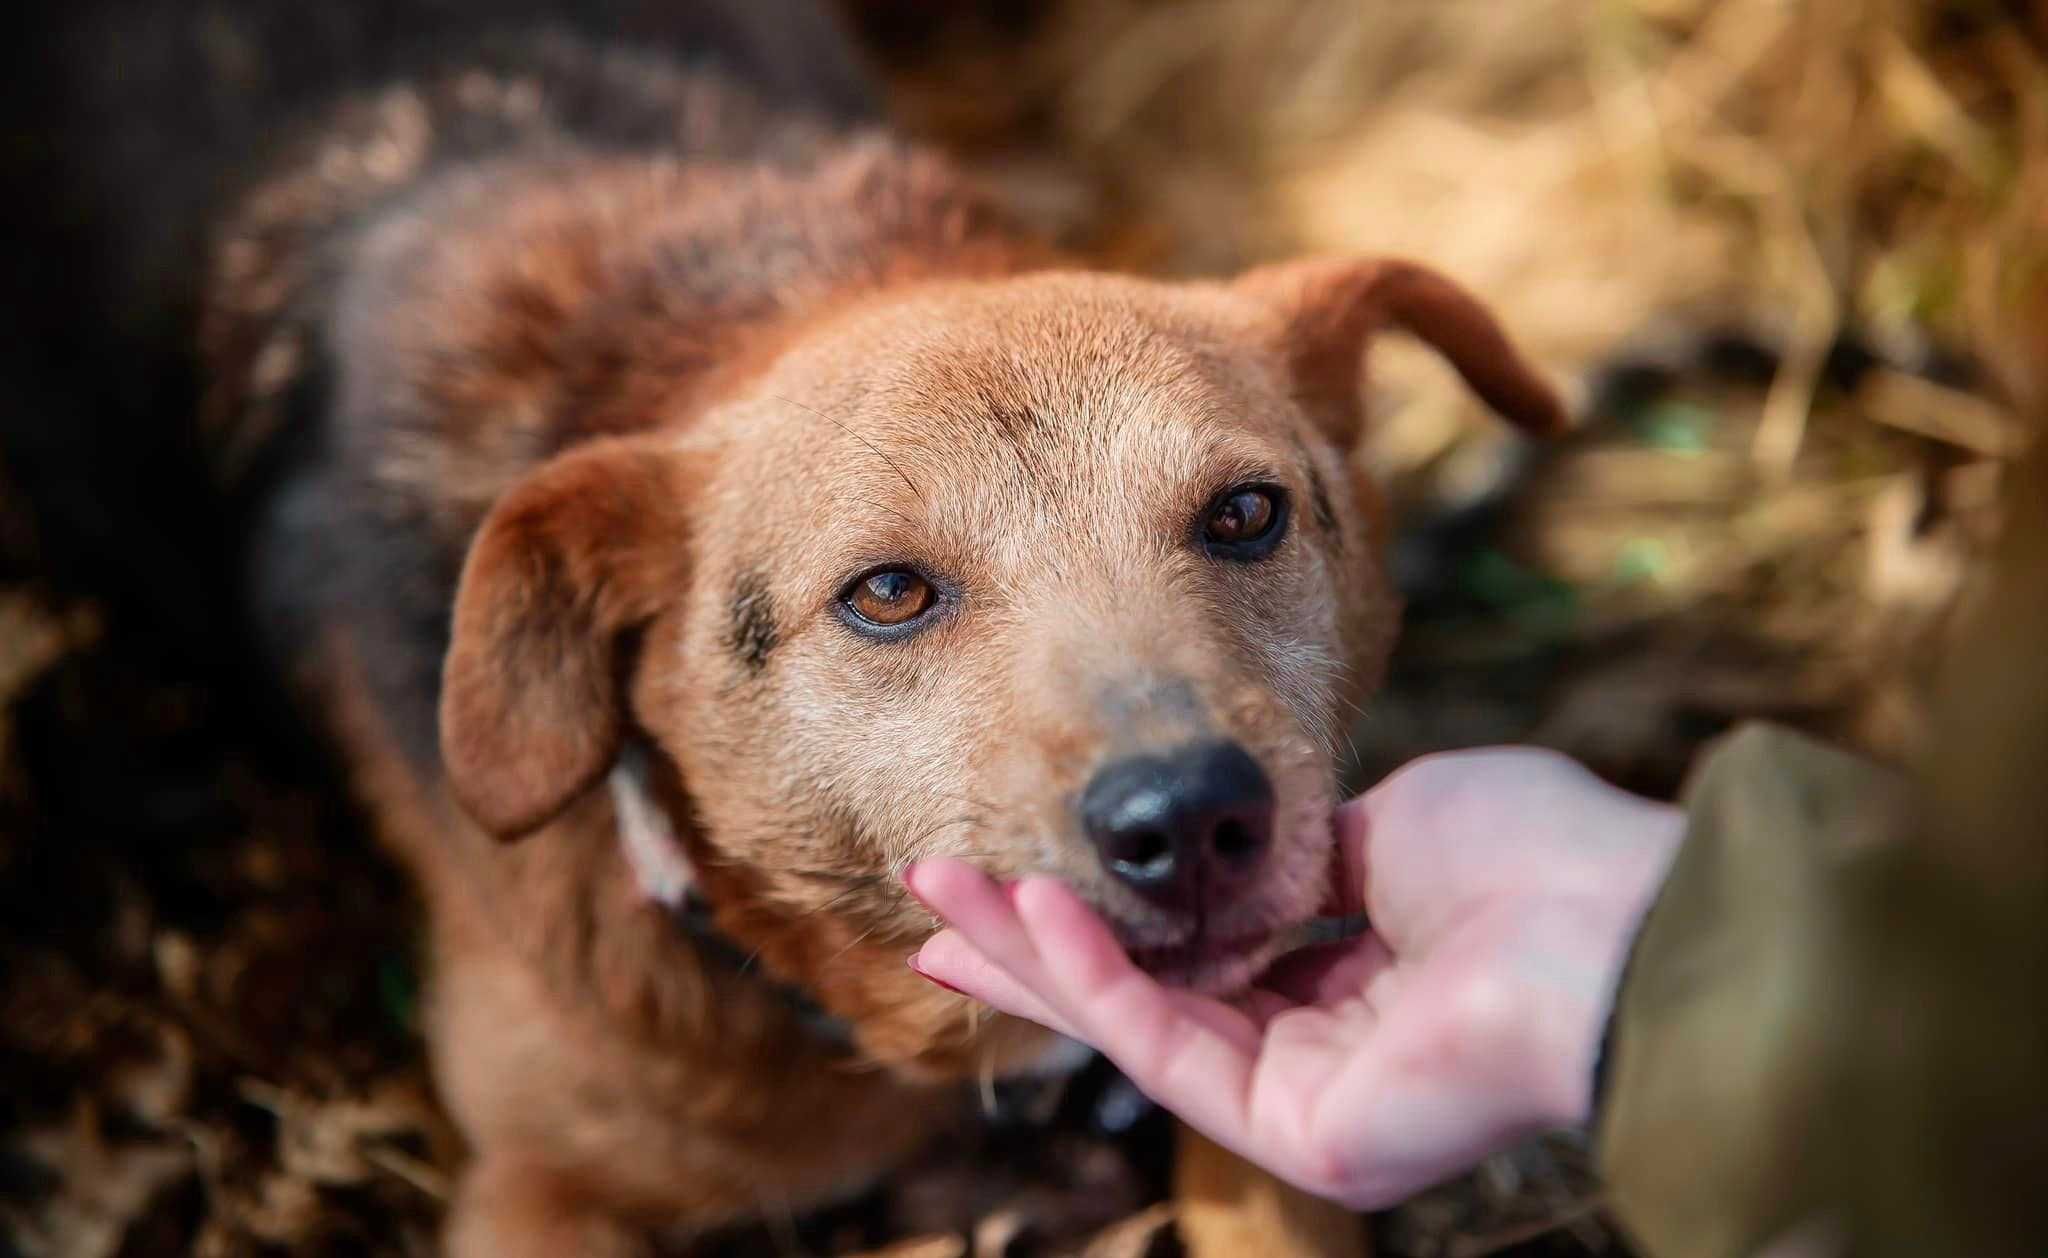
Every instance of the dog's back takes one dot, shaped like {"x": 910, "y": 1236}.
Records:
{"x": 464, "y": 198}
{"x": 134, "y": 126}
{"x": 202, "y": 179}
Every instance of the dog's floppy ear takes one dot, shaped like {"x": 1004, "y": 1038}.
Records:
{"x": 1330, "y": 309}
{"x": 568, "y": 565}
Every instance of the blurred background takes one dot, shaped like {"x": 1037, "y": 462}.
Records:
{"x": 1790, "y": 259}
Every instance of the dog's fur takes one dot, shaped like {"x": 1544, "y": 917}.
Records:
{"x": 583, "y": 436}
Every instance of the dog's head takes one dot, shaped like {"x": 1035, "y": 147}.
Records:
{"x": 1062, "y": 573}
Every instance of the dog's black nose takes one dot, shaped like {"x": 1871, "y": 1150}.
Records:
{"x": 1170, "y": 825}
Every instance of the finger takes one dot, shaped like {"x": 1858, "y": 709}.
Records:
{"x": 950, "y": 959}
{"x": 1251, "y": 1089}
{"x": 1191, "y": 1054}
{"x": 975, "y": 906}
{"x": 987, "y": 919}
{"x": 1062, "y": 925}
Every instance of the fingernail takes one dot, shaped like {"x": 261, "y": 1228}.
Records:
{"x": 919, "y": 970}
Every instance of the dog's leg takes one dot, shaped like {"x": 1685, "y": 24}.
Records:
{"x": 506, "y": 1208}
{"x": 1230, "y": 1208}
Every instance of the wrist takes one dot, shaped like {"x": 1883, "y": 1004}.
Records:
{"x": 1609, "y": 929}
{"x": 1569, "y": 1021}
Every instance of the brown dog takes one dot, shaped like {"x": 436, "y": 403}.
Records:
{"x": 733, "y": 518}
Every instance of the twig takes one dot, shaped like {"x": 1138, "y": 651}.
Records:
{"x": 1508, "y": 1238}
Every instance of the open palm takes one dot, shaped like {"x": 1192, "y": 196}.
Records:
{"x": 1503, "y": 887}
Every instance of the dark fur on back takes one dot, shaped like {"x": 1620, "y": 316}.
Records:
{"x": 502, "y": 281}
{"x": 289, "y": 267}
{"x": 131, "y": 126}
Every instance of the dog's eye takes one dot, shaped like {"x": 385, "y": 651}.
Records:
{"x": 893, "y": 596}
{"x": 1241, "y": 517}
{"x": 1245, "y": 523}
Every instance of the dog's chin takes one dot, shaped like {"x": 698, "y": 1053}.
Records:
{"x": 1213, "y": 967}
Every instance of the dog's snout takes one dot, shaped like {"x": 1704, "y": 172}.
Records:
{"x": 1169, "y": 826}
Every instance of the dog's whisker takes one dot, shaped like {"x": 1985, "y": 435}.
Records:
{"x": 856, "y": 942}
{"x": 887, "y": 509}
{"x": 916, "y": 845}
{"x": 966, "y": 854}
{"x": 836, "y": 900}
{"x": 857, "y": 437}
{"x": 972, "y": 801}
{"x": 891, "y": 887}
{"x": 781, "y": 1221}
{"x": 987, "y": 1073}
{"x": 836, "y": 877}
{"x": 800, "y": 921}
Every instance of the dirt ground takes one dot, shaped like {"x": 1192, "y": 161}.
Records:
{"x": 1783, "y": 254}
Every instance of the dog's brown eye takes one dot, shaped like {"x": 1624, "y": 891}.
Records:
{"x": 1244, "y": 524}
{"x": 890, "y": 597}
{"x": 1244, "y": 516}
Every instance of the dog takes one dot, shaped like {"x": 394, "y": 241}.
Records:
{"x": 685, "y": 511}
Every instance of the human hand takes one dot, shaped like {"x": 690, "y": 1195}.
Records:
{"x": 1503, "y": 888}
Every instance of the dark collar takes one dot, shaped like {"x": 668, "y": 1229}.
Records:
{"x": 824, "y": 1028}
{"x": 1023, "y": 1101}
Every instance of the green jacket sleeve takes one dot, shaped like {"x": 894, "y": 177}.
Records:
{"x": 1725, "y": 1026}
{"x": 1827, "y": 1042}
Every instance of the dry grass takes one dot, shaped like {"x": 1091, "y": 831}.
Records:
{"x": 1791, "y": 257}
{"x": 1597, "y": 164}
